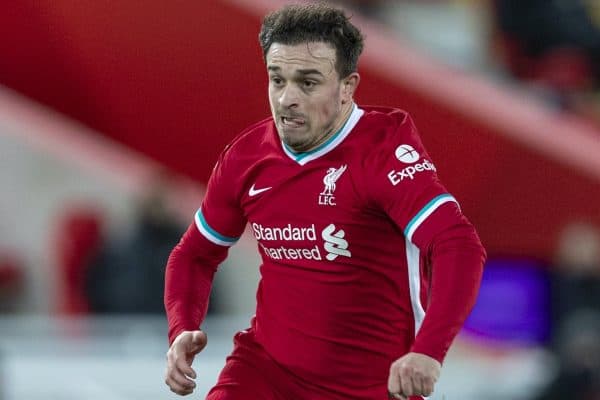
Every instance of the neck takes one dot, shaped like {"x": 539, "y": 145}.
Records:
{"x": 344, "y": 115}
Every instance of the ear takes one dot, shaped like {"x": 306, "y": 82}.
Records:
{"x": 349, "y": 85}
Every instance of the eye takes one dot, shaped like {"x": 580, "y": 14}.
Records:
{"x": 308, "y": 84}
{"x": 277, "y": 81}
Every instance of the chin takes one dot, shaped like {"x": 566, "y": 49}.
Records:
{"x": 294, "y": 143}
{"x": 292, "y": 136}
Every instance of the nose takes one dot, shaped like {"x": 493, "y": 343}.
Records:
{"x": 289, "y": 97}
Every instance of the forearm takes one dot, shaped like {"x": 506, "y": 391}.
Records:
{"x": 188, "y": 281}
{"x": 457, "y": 259}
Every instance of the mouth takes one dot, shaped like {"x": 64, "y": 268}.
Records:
{"x": 292, "y": 122}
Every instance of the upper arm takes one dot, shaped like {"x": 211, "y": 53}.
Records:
{"x": 404, "y": 182}
{"x": 221, "y": 219}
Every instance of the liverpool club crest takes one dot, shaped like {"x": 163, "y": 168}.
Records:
{"x": 327, "y": 197}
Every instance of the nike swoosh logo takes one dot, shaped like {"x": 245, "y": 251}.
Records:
{"x": 253, "y": 192}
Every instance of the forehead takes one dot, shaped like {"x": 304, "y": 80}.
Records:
{"x": 316, "y": 55}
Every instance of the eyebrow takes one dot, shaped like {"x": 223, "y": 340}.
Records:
{"x": 308, "y": 71}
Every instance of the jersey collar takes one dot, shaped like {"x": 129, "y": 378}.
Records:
{"x": 330, "y": 144}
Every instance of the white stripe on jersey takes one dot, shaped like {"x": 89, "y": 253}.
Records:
{"x": 413, "y": 259}
{"x": 414, "y": 283}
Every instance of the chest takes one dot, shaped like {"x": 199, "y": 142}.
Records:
{"x": 320, "y": 193}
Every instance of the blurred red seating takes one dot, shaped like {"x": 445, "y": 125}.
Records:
{"x": 77, "y": 238}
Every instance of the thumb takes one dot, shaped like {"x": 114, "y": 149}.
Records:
{"x": 199, "y": 340}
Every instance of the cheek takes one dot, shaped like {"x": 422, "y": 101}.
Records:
{"x": 272, "y": 100}
{"x": 329, "y": 107}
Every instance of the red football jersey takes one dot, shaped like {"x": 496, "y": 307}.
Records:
{"x": 347, "y": 236}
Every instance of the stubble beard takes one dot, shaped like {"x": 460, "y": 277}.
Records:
{"x": 299, "y": 141}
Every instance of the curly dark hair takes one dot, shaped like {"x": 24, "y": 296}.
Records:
{"x": 295, "y": 24}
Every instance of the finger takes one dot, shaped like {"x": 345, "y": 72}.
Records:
{"x": 181, "y": 365}
{"x": 393, "y": 380}
{"x": 395, "y": 383}
{"x": 182, "y": 380}
{"x": 182, "y": 392}
{"x": 397, "y": 396}
{"x": 417, "y": 385}
{"x": 183, "y": 373}
{"x": 427, "y": 386}
{"x": 406, "y": 386}
{"x": 175, "y": 374}
{"x": 178, "y": 388}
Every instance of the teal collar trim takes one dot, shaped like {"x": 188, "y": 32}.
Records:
{"x": 330, "y": 144}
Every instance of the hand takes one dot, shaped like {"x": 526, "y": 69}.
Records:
{"x": 413, "y": 374}
{"x": 179, "y": 361}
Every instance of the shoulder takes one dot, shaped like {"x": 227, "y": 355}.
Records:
{"x": 238, "y": 157}
{"x": 387, "y": 115}
{"x": 244, "y": 148}
{"x": 385, "y": 124}
{"x": 391, "y": 142}
{"x": 384, "y": 129}
{"x": 254, "y": 135}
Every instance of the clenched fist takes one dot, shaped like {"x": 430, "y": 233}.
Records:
{"x": 413, "y": 374}
{"x": 179, "y": 376}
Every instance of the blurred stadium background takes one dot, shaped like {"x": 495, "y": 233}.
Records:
{"x": 112, "y": 115}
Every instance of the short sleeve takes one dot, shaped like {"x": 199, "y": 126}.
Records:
{"x": 403, "y": 181}
{"x": 220, "y": 218}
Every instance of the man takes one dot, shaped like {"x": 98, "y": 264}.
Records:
{"x": 357, "y": 237}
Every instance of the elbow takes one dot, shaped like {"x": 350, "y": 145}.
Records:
{"x": 461, "y": 240}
